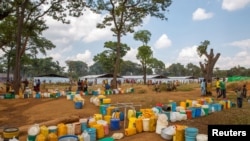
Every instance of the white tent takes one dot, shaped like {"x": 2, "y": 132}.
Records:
{"x": 52, "y": 78}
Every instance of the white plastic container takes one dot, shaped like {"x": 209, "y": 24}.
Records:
{"x": 85, "y": 135}
{"x": 145, "y": 123}
{"x": 201, "y": 137}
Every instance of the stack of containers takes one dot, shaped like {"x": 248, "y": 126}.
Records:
{"x": 143, "y": 120}
{"x": 191, "y": 133}
{"x": 180, "y": 133}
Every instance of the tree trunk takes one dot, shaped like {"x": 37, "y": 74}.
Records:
{"x": 117, "y": 61}
{"x": 144, "y": 74}
{"x": 20, "y": 20}
{"x": 207, "y": 68}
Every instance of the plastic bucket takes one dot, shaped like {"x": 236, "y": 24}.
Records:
{"x": 206, "y": 109}
{"x": 103, "y": 109}
{"x": 84, "y": 124}
{"x": 193, "y": 111}
{"x": 145, "y": 124}
{"x": 189, "y": 114}
{"x": 173, "y": 106}
{"x": 115, "y": 124}
{"x": 201, "y": 137}
{"x": 165, "y": 135}
{"x": 68, "y": 97}
{"x": 188, "y": 138}
{"x": 72, "y": 96}
{"x": 198, "y": 112}
{"x": 68, "y": 138}
{"x": 31, "y": 137}
{"x": 11, "y": 132}
{"x": 52, "y": 129}
{"x": 38, "y": 96}
{"x": 210, "y": 109}
{"x": 191, "y": 132}
{"x": 219, "y": 107}
{"x": 78, "y": 105}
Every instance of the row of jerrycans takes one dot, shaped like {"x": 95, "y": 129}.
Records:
{"x": 47, "y": 134}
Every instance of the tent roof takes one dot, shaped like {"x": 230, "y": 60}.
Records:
{"x": 106, "y": 75}
{"x": 52, "y": 75}
{"x": 182, "y": 77}
{"x": 148, "y": 76}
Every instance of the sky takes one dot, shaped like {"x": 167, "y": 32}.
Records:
{"x": 225, "y": 23}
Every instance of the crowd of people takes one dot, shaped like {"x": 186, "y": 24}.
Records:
{"x": 220, "y": 85}
{"x": 82, "y": 85}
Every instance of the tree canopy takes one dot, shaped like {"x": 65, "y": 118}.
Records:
{"x": 124, "y": 15}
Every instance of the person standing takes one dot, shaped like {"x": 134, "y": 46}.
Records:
{"x": 239, "y": 94}
{"x": 34, "y": 85}
{"x": 244, "y": 91}
{"x": 217, "y": 85}
{"x": 85, "y": 86}
{"x": 79, "y": 85}
{"x": 38, "y": 83}
{"x": 222, "y": 88}
{"x": 203, "y": 87}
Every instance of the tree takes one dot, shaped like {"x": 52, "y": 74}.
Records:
{"x": 143, "y": 36}
{"x": 145, "y": 56}
{"x": 5, "y": 9}
{"x": 208, "y": 66}
{"x": 96, "y": 68}
{"x": 124, "y": 15}
{"x": 42, "y": 66}
{"x": 29, "y": 15}
{"x": 157, "y": 65}
{"x": 77, "y": 68}
{"x": 108, "y": 57}
{"x": 130, "y": 68}
{"x": 176, "y": 70}
{"x": 193, "y": 70}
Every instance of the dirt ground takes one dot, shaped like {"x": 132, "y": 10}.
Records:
{"x": 26, "y": 112}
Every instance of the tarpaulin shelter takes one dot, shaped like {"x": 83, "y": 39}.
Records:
{"x": 52, "y": 78}
{"x": 98, "y": 78}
